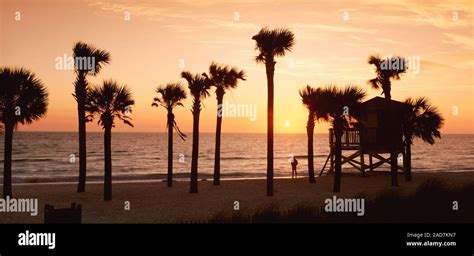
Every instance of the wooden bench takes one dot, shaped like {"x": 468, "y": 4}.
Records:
{"x": 70, "y": 215}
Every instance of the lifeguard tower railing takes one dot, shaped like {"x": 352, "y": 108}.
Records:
{"x": 361, "y": 141}
{"x": 352, "y": 138}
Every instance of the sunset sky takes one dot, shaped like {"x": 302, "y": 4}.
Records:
{"x": 333, "y": 42}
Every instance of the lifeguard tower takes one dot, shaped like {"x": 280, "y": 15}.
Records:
{"x": 378, "y": 131}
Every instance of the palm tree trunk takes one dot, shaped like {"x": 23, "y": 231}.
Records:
{"x": 217, "y": 157}
{"x": 337, "y": 155}
{"x": 108, "y": 164}
{"x": 82, "y": 150}
{"x": 387, "y": 88}
{"x": 270, "y": 70}
{"x": 392, "y": 132}
{"x": 81, "y": 95}
{"x": 393, "y": 150}
{"x": 310, "y": 133}
{"x": 388, "y": 94}
{"x": 195, "y": 152}
{"x": 7, "y": 163}
{"x": 170, "y": 148}
{"x": 394, "y": 167}
{"x": 407, "y": 162}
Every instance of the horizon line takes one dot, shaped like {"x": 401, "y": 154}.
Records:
{"x": 190, "y": 132}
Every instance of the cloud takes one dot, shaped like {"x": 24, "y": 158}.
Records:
{"x": 446, "y": 14}
{"x": 333, "y": 28}
{"x": 175, "y": 11}
{"x": 439, "y": 14}
{"x": 459, "y": 40}
{"x": 228, "y": 24}
{"x": 434, "y": 65}
{"x": 390, "y": 41}
{"x": 142, "y": 8}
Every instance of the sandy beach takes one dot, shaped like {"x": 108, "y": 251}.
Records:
{"x": 153, "y": 202}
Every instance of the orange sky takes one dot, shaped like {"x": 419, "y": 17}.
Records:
{"x": 147, "y": 49}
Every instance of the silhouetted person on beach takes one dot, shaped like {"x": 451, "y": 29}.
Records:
{"x": 294, "y": 164}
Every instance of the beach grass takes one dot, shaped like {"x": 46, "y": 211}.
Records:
{"x": 432, "y": 202}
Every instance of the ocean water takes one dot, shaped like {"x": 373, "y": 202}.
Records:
{"x": 49, "y": 156}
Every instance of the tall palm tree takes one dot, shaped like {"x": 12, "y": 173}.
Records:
{"x": 334, "y": 102}
{"x": 109, "y": 102}
{"x": 423, "y": 121}
{"x": 223, "y": 78}
{"x": 386, "y": 70}
{"x": 199, "y": 86}
{"x": 170, "y": 96}
{"x": 83, "y": 55}
{"x": 311, "y": 99}
{"x": 23, "y": 100}
{"x": 271, "y": 43}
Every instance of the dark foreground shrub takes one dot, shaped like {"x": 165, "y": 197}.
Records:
{"x": 433, "y": 201}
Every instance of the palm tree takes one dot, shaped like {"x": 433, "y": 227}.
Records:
{"x": 311, "y": 99}
{"x": 386, "y": 70}
{"x": 109, "y": 102}
{"x": 199, "y": 86}
{"x": 223, "y": 78}
{"x": 169, "y": 97}
{"x": 85, "y": 54}
{"x": 23, "y": 100}
{"x": 271, "y": 43}
{"x": 423, "y": 121}
{"x": 334, "y": 102}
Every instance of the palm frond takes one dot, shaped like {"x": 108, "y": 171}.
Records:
{"x": 423, "y": 121}
{"x": 178, "y": 131}
{"x": 375, "y": 60}
{"x": 334, "y": 100}
{"x": 273, "y": 43}
{"x": 374, "y": 83}
{"x": 197, "y": 84}
{"x": 100, "y": 57}
{"x": 306, "y": 95}
{"x": 223, "y": 77}
{"x": 23, "y": 97}
{"x": 169, "y": 95}
{"x": 109, "y": 102}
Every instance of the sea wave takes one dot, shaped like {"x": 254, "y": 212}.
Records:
{"x": 129, "y": 177}
{"x": 31, "y": 160}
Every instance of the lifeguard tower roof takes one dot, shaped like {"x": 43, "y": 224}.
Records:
{"x": 379, "y": 103}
